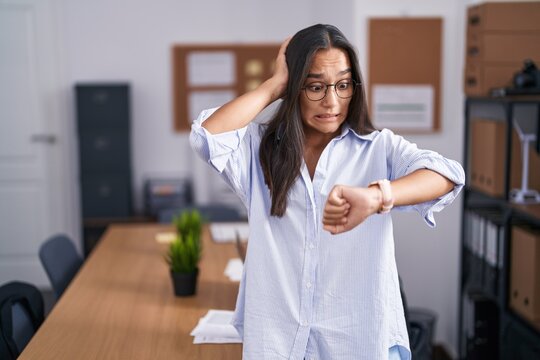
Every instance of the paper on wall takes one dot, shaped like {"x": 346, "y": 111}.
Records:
{"x": 202, "y": 100}
{"x": 211, "y": 68}
{"x": 403, "y": 106}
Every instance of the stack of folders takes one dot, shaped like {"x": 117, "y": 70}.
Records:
{"x": 215, "y": 328}
{"x": 484, "y": 242}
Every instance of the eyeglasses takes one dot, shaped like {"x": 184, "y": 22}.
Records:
{"x": 344, "y": 89}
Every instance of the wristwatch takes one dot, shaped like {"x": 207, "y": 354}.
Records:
{"x": 387, "y": 198}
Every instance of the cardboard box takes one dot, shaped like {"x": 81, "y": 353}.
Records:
{"x": 488, "y": 144}
{"x": 515, "y": 165}
{"x": 480, "y": 78}
{"x": 515, "y": 16}
{"x": 500, "y": 36}
{"x": 525, "y": 273}
{"x": 507, "y": 47}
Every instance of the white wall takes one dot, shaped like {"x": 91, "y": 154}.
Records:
{"x": 131, "y": 40}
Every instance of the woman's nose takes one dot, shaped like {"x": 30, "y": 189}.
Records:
{"x": 331, "y": 97}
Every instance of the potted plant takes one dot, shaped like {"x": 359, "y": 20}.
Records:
{"x": 184, "y": 252}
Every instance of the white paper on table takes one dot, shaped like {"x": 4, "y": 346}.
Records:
{"x": 216, "y": 326}
{"x": 213, "y": 340}
{"x": 403, "y": 106}
{"x": 234, "y": 269}
{"x": 165, "y": 237}
{"x": 202, "y": 100}
{"x": 211, "y": 68}
{"x": 226, "y": 231}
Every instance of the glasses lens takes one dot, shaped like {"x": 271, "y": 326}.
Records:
{"x": 315, "y": 91}
{"x": 345, "y": 88}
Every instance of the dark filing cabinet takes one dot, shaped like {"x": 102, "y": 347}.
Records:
{"x": 103, "y": 125}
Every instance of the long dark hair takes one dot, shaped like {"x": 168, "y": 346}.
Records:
{"x": 282, "y": 145}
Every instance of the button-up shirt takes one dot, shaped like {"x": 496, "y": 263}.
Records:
{"x": 306, "y": 293}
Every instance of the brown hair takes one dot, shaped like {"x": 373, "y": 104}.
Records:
{"x": 281, "y": 149}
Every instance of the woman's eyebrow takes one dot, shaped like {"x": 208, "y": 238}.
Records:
{"x": 319, "y": 76}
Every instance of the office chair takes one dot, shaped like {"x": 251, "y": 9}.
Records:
{"x": 421, "y": 329}
{"x": 211, "y": 213}
{"x": 61, "y": 262}
{"x": 21, "y": 314}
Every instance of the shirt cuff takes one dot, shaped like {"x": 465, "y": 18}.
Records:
{"x": 450, "y": 169}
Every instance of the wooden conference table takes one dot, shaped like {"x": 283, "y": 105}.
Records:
{"x": 121, "y": 304}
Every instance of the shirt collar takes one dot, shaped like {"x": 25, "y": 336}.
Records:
{"x": 345, "y": 129}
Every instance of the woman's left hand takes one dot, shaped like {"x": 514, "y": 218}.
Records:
{"x": 347, "y": 207}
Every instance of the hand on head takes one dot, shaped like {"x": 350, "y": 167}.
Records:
{"x": 346, "y": 207}
{"x": 281, "y": 71}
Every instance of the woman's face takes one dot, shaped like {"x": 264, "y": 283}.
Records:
{"x": 325, "y": 116}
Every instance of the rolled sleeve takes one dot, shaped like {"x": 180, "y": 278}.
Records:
{"x": 216, "y": 149}
{"x": 228, "y": 153}
{"x": 405, "y": 158}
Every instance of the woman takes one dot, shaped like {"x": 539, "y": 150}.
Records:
{"x": 320, "y": 278}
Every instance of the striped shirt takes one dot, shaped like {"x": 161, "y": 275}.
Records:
{"x": 306, "y": 293}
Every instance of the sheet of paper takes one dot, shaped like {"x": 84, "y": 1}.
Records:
{"x": 234, "y": 269}
{"x": 226, "y": 231}
{"x": 403, "y": 106}
{"x": 202, "y": 100}
{"x": 165, "y": 237}
{"x": 215, "y": 327}
{"x": 215, "y": 340}
{"x": 211, "y": 68}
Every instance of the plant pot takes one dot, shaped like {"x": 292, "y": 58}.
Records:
{"x": 185, "y": 284}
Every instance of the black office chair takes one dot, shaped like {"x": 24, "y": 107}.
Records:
{"x": 421, "y": 329}
{"x": 21, "y": 314}
{"x": 61, "y": 262}
{"x": 211, "y": 213}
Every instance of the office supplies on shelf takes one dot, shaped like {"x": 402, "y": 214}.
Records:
{"x": 162, "y": 194}
{"x": 524, "y": 195}
{"x": 498, "y": 311}
{"x": 215, "y": 328}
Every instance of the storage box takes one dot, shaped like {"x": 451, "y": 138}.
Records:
{"x": 480, "y": 78}
{"x": 525, "y": 273}
{"x": 500, "y": 36}
{"x": 488, "y": 144}
{"x": 508, "y": 47}
{"x": 515, "y": 16}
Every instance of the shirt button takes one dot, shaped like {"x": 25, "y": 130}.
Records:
{"x": 304, "y": 323}
{"x": 308, "y": 285}
{"x": 311, "y": 246}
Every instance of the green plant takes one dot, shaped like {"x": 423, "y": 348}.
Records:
{"x": 185, "y": 251}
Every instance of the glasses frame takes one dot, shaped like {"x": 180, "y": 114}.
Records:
{"x": 326, "y": 86}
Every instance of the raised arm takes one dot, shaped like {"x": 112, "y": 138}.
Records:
{"x": 347, "y": 207}
{"x": 241, "y": 111}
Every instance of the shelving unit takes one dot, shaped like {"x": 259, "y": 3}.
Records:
{"x": 489, "y": 328}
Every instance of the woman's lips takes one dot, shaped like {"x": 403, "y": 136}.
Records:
{"x": 327, "y": 117}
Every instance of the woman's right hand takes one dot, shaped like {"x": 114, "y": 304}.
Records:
{"x": 281, "y": 72}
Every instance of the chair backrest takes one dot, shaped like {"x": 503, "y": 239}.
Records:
{"x": 21, "y": 314}
{"x": 211, "y": 212}
{"x": 60, "y": 260}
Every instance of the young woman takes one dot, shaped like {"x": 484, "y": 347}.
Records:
{"x": 318, "y": 181}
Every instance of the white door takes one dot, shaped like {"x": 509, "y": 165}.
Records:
{"x": 29, "y": 163}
